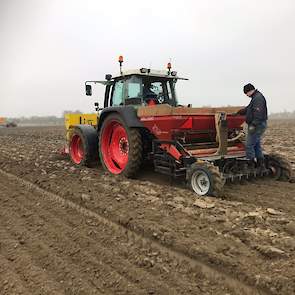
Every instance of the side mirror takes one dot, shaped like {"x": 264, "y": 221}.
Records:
{"x": 88, "y": 90}
{"x": 96, "y": 106}
{"x": 108, "y": 77}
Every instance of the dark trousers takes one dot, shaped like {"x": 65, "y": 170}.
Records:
{"x": 253, "y": 142}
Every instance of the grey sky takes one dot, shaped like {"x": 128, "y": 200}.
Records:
{"x": 50, "y": 47}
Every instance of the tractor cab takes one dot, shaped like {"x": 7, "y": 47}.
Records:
{"x": 143, "y": 87}
{"x": 140, "y": 87}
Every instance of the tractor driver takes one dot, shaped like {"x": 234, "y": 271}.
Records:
{"x": 148, "y": 95}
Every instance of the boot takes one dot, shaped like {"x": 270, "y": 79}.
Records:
{"x": 248, "y": 169}
{"x": 251, "y": 164}
{"x": 251, "y": 168}
{"x": 260, "y": 165}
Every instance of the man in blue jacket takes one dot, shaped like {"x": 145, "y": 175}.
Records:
{"x": 256, "y": 118}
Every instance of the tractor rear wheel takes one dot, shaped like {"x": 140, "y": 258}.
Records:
{"x": 205, "y": 179}
{"x": 120, "y": 148}
{"x": 83, "y": 146}
{"x": 280, "y": 167}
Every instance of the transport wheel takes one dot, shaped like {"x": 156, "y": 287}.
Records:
{"x": 204, "y": 179}
{"x": 280, "y": 167}
{"x": 120, "y": 148}
{"x": 83, "y": 146}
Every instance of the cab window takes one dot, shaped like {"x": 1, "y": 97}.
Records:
{"x": 157, "y": 91}
{"x": 157, "y": 88}
{"x": 117, "y": 98}
{"x": 134, "y": 87}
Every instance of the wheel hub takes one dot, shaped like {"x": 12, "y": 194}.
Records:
{"x": 123, "y": 146}
{"x": 200, "y": 182}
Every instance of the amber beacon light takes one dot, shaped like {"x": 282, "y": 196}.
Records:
{"x": 120, "y": 60}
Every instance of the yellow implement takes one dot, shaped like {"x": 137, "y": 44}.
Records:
{"x": 76, "y": 119}
{"x": 71, "y": 120}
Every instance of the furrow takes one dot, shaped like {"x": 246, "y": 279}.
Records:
{"x": 209, "y": 272}
{"x": 91, "y": 254}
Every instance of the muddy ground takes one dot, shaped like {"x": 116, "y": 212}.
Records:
{"x": 69, "y": 230}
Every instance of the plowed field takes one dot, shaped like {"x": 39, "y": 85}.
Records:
{"x": 69, "y": 230}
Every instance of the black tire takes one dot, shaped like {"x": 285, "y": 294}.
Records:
{"x": 214, "y": 180}
{"x": 135, "y": 149}
{"x": 281, "y": 167}
{"x": 89, "y": 138}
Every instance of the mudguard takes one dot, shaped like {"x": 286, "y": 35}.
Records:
{"x": 128, "y": 114}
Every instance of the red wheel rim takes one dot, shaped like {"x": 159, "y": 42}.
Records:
{"x": 76, "y": 149}
{"x": 115, "y": 147}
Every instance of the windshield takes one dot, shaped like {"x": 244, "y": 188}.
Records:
{"x": 150, "y": 90}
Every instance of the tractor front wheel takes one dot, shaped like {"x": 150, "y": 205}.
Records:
{"x": 204, "y": 179}
{"x": 120, "y": 147}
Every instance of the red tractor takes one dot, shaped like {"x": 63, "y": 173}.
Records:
{"x": 142, "y": 121}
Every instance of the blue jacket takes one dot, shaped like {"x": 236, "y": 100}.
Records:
{"x": 256, "y": 111}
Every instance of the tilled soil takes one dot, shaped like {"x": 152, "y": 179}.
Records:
{"x": 71, "y": 230}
